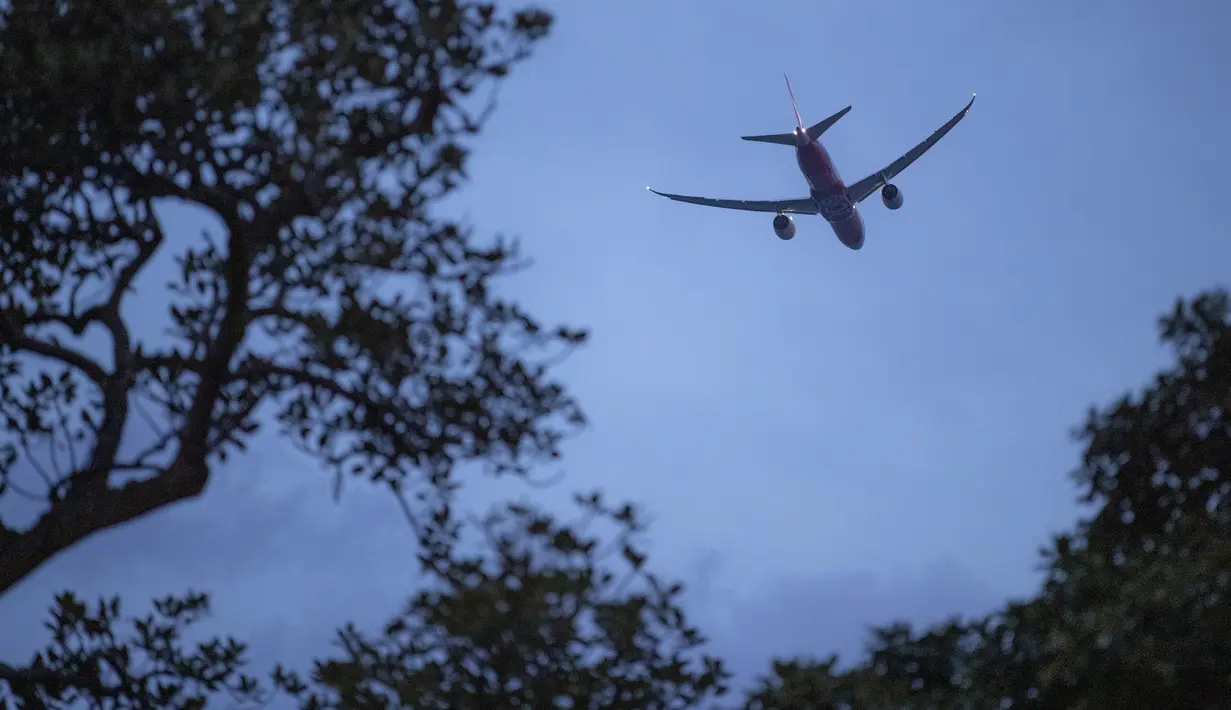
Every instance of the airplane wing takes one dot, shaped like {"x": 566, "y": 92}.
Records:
{"x": 865, "y": 187}
{"x": 803, "y": 205}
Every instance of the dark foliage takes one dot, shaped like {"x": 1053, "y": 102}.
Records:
{"x": 99, "y": 659}
{"x": 1133, "y": 611}
{"x": 320, "y": 133}
{"x": 544, "y": 615}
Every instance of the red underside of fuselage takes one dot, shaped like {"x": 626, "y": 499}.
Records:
{"x": 829, "y": 192}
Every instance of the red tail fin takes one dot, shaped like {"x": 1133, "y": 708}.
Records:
{"x": 798, "y": 121}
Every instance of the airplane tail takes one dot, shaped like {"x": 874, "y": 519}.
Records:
{"x": 798, "y": 121}
{"x": 814, "y": 131}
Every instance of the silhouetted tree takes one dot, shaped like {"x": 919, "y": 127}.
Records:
{"x": 1133, "y": 611}
{"x": 555, "y": 618}
{"x": 320, "y": 133}
{"x": 538, "y": 614}
{"x": 101, "y": 659}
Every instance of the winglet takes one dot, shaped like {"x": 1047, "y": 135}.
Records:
{"x": 798, "y": 121}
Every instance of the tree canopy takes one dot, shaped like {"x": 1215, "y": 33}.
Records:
{"x": 337, "y": 307}
{"x": 539, "y": 615}
{"x": 1132, "y": 611}
{"x": 320, "y": 134}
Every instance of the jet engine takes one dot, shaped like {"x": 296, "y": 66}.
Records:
{"x": 891, "y": 196}
{"x": 784, "y": 227}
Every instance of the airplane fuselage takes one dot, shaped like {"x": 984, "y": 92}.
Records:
{"x": 828, "y": 191}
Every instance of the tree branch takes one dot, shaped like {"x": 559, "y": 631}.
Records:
{"x": 217, "y": 363}
{"x": 116, "y": 387}
{"x": 93, "y": 506}
{"x": 15, "y": 676}
{"x": 11, "y": 334}
{"x": 248, "y": 372}
{"x": 71, "y": 520}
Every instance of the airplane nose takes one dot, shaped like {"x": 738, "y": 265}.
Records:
{"x": 850, "y": 232}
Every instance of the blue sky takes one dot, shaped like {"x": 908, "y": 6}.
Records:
{"x": 825, "y": 438}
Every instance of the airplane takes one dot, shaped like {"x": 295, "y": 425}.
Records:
{"x": 828, "y": 195}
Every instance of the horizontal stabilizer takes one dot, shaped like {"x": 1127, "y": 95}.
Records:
{"x": 779, "y": 138}
{"x": 814, "y": 131}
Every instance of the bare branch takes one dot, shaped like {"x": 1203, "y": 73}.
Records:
{"x": 90, "y": 506}
{"x": 215, "y": 369}
{"x": 12, "y": 335}
{"x": 75, "y": 518}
